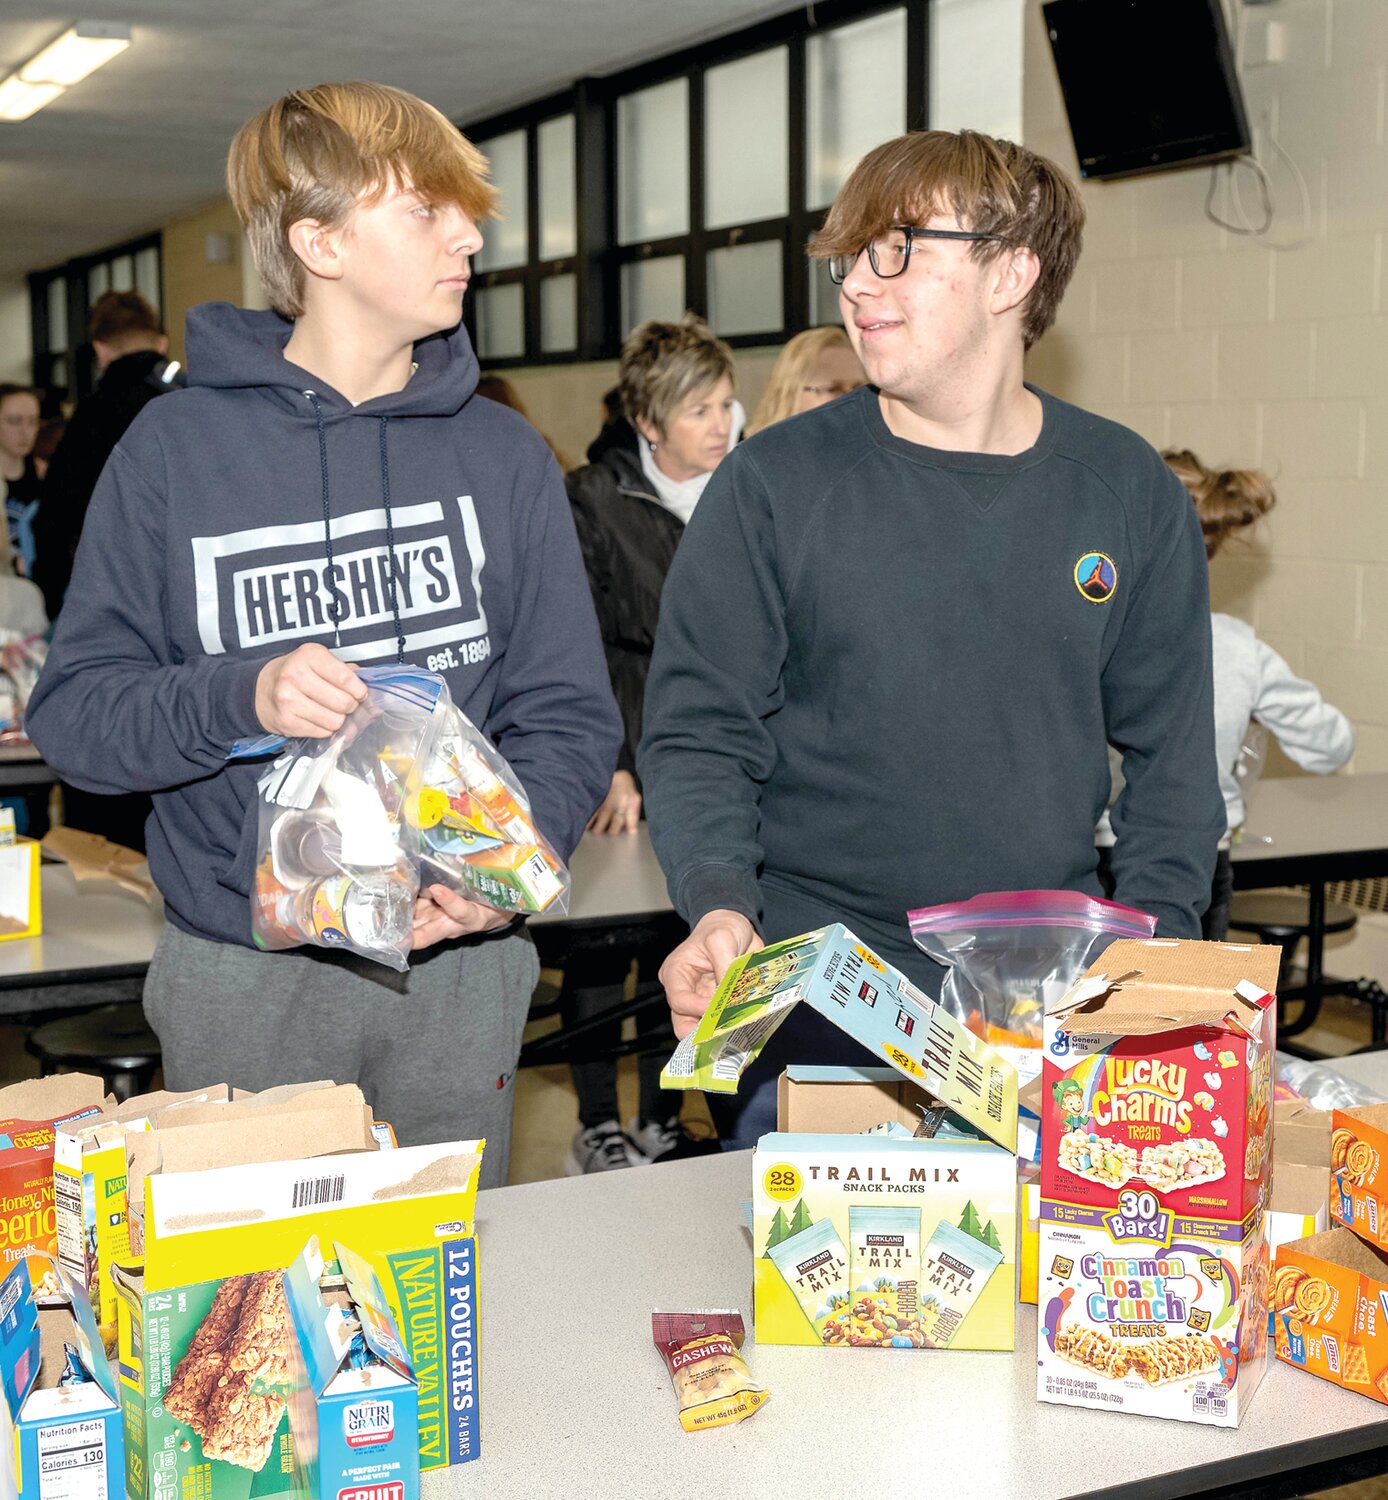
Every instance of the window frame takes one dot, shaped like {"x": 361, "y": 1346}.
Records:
{"x": 600, "y": 258}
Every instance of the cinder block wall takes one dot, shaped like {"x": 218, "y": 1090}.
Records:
{"x": 1271, "y": 353}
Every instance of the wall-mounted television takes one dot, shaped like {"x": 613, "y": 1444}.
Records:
{"x": 1148, "y": 84}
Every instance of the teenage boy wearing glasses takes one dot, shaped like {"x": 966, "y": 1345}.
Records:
{"x": 902, "y": 628}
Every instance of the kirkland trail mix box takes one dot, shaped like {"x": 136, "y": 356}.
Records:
{"x": 846, "y": 982}
{"x": 1155, "y": 1155}
{"x": 205, "y": 1330}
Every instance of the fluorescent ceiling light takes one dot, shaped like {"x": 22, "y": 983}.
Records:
{"x": 19, "y": 100}
{"x": 80, "y": 50}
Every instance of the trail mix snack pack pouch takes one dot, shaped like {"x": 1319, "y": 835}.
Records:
{"x": 814, "y": 1265}
{"x": 406, "y": 793}
{"x": 702, "y": 1351}
{"x": 955, "y": 1268}
{"x": 884, "y": 1268}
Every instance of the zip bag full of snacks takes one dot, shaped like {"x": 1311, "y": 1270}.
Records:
{"x": 407, "y": 792}
{"x": 702, "y": 1351}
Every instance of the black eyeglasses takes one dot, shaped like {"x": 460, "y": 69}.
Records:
{"x": 890, "y": 253}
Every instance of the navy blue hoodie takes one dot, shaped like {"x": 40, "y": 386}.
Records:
{"x": 236, "y": 517}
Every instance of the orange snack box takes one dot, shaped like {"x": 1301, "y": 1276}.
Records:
{"x": 1329, "y": 1298}
{"x": 1359, "y": 1171}
{"x": 28, "y": 1212}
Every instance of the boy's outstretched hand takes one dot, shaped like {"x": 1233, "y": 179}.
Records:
{"x": 440, "y": 914}
{"x": 693, "y": 971}
{"x": 309, "y": 692}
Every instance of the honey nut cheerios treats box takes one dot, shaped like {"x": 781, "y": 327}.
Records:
{"x": 1155, "y": 1168}
{"x": 1330, "y": 1310}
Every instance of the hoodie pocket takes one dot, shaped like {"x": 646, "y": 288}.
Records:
{"x": 239, "y": 875}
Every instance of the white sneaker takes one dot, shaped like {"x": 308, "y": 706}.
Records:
{"x": 602, "y": 1148}
{"x": 654, "y": 1138}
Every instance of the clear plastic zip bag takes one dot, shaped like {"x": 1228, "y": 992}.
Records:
{"x": 1010, "y": 954}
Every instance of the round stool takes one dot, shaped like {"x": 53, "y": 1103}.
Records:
{"x": 1284, "y": 918}
{"x": 112, "y": 1040}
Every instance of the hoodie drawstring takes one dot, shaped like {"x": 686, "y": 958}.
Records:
{"x": 337, "y": 608}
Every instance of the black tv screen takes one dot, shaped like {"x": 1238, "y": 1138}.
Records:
{"x": 1148, "y": 84}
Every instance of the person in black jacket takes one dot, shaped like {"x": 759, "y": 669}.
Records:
{"x": 131, "y": 350}
{"x": 631, "y": 507}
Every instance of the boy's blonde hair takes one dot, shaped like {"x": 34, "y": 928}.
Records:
{"x": 991, "y": 186}
{"x": 317, "y": 153}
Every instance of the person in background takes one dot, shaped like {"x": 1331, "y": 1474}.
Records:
{"x": 903, "y": 629}
{"x": 616, "y": 431}
{"x": 131, "y": 349}
{"x": 1252, "y": 683}
{"x": 815, "y": 367}
{"x": 631, "y": 508}
{"x": 22, "y": 473}
{"x": 497, "y": 388}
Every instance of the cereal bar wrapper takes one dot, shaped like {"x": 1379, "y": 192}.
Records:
{"x": 702, "y": 1351}
{"x": 814, "y": 1265}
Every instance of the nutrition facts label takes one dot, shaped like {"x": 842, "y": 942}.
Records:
{"x": 72, "y": 1460}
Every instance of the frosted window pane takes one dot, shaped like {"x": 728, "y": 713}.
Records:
{"x": 98, "y": 282}
{"x": 501, "y": 322}
{"x": 653, "y": 162}
{"x": 652, "y": 289}
{"x": 746, "y": 139}
{"x": 558, "y": 314}
{"x": 506, "y": 241}
{"x": 744, "y": 288}
{"x": 857, "y": 79}
{"x": 976, "y": 66}
{"x": 147, "y": 276}
{"x": 58, "y": 372}
{"x": 558, "y": 202}
{"x": 824, "y": 296}
{"x": 122, "y": 273}
{"x": 57, "y": 313}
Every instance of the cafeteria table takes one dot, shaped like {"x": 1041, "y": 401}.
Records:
{"x": 575, "y": 1400}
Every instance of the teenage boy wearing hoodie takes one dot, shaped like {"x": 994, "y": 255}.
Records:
{"x": 327, "y": 493}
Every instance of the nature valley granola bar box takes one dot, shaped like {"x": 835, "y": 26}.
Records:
{"x": 205, "y": 1329}
{"x": 1155, "y": 1162}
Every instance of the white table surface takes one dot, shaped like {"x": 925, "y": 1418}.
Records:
{"x": 1292, "y": 816}
{"x": 614, "y": 875}
{"x": 95, "y": 926}
{"x": 577, "y": 1402}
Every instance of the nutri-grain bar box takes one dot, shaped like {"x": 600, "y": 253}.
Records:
{"x": 1155, "y": 1163}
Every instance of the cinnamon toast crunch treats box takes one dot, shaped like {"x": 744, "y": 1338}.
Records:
{"x": 1155, "y": 1168}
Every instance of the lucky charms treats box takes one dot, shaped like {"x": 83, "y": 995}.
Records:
{"x": 1155, "y": 1163}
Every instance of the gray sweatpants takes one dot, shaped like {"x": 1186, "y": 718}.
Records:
{"x": 434, "y": 1050}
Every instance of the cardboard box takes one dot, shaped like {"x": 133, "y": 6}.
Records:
{"x": 1155, "y": 1160}
{"x": 89, "y": 1190}
{"x": 354, "y": 1400}
{"x": 880, "y": 1239}
{"x": 1299, "y": 1202}
{"x": 28, "y": 1213}
{"x": 57, "y": 1441}
{"x": 847, "y": 983}
{"x": 1330, "y": 1310}
{"x": 1359, "y": 1172}
{"x": 216, "y": 1243}
{"x": 21, "y": 894}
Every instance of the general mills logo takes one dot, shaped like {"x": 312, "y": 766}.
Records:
{"x": 368, "y": 1422}
{"x": 1060, "y": 1044}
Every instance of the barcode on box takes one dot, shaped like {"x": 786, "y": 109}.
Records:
{"x": 310, "y": 1192}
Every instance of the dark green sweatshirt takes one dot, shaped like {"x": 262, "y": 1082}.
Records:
{"x": 885, "y": 677}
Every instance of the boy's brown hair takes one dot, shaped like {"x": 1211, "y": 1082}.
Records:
{"x": 991, "y": 186}
{"x": 117, "y": 315}
{"x": 317, "y": 153}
